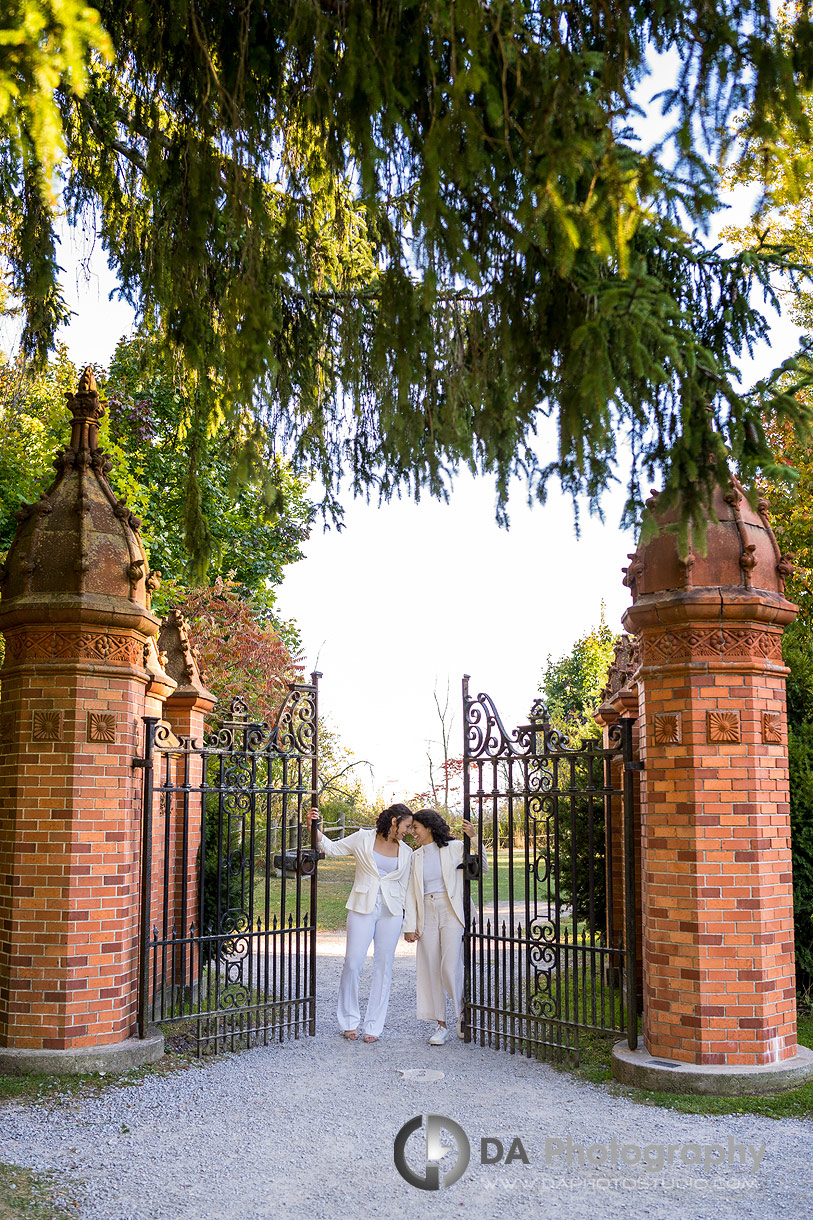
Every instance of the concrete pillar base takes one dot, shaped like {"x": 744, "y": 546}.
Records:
{"x": 639, "y": 1069}
{"x": 118, "y": 1057}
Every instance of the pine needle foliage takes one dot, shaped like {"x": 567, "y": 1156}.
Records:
{"x": 399, "y": 235}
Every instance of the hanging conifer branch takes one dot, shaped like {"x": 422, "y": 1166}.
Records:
{"x": 400, "y": 235}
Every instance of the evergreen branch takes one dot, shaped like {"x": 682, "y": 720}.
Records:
{"x": 131, "y": 154}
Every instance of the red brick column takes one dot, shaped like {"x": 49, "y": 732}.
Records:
{"x": 718, "y": 954}
{"x": 76, "y": 619}
{"x": 719, "y": 983}
{"x": 624, "y": 704}
{"x": 70, "y": 838}
{"x": 160, "y": 687}
{"x": 185, "y": 711}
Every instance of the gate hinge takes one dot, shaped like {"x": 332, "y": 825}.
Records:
{"x": 139, "y": 762}
{"x": 635, "y": 765}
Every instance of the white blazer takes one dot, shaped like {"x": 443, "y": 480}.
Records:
{"x": 367, "y": 881}
{"x": 450, "y": 857}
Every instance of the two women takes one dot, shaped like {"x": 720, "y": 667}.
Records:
{"x": 375, "y": 911}
{"x": 435, "y": 919}
{"x": 394, "y": 886}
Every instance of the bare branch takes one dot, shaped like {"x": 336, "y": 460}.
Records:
{"x": 329, "y": 780}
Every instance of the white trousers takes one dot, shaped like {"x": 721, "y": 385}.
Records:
{"x": 383, "y": 928}
{"x": 439, "y": 959}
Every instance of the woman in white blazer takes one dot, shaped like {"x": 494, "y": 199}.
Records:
{"x": 375, "y": 912}
{"x": 435, "y": 919}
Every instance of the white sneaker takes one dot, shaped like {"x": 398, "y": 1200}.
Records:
{"x": 440, "y": 1036}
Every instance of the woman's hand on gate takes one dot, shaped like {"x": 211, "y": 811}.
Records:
{"x": 411, "y": 937}
{"x": 468, "y": 829}
{"x": 312, "y": 816}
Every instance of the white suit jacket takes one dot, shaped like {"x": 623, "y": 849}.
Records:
{"x": 367, "y": 880}
{"x": 450, "y": 857}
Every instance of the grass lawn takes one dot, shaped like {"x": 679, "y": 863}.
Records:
{"x": 487, "y": 880}
{"x": 30, "y": 1196}
{"x": 335, "y": 884}
{"x": 520, "y": 878}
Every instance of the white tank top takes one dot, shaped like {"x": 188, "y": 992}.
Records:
{"x": 385, "y": 864}
{"x": 432, "y": 873}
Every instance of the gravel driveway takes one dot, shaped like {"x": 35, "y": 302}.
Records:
{"x": 306, "y": 1129}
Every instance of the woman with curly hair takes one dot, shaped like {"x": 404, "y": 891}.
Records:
{"x": 375, "y": 912}
{"x": 435, "y": 919}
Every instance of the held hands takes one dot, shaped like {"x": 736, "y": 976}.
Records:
{"x": 411, "y": 937}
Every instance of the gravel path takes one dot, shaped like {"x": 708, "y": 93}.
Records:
{"x": 306, "y": 1129}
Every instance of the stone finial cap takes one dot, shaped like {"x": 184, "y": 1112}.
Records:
{"x": 181, "y": 663}
{"x": 623, "y": 667}
{"x": 741, "y": 551}
{"x": 160, "y": 685}
{"x": 621, "y": 680}
{"x": 78, "y": 538}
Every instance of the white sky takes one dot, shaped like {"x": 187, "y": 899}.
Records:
{"x": 411, "y": 596}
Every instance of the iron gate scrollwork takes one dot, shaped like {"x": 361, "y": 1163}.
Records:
{"x": 550, "y": 946}
{"x": 228, "y": 914}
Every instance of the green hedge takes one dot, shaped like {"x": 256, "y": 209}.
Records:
{"x": 798, "y": 654}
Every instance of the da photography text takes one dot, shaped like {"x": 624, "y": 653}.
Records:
{"x": 443, "y": 1137}
{"x": 569, "y": 1153}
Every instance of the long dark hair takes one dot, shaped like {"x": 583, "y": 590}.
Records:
{"x": 434, "y": 822}
{"x": 383, "y": 823}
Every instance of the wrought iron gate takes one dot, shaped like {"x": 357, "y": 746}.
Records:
{"x": 228, "y": 887}
{"x": 550, "y": 949}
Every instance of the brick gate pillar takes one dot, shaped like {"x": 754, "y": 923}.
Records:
{"x": 77, "y": 624}
{"x": 619, "y": 702}
{"x": 718, "y": 957}
{"x": 185, "y": 711}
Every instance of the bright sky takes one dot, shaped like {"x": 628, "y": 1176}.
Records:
{"x": 409, "y": 597}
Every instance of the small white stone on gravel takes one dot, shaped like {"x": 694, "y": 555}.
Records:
{"x": 420, "y": 1074}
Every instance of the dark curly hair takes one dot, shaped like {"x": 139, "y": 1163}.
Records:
{"x": 434, "y": 822}
{"x": 383, "y": 823}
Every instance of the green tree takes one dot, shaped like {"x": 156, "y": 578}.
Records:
{"x": 783, "y": 217}
{"x": 791, "y": 508}
{"x": 571, "y": 689}
{"x": 45, "y": 46}
{"x": 798, "y": 654}
{"x": 397, "y": 236}
{"x": 160, "y": 450}
{"x": 171, "y": 458}
{"x": 571, "y": 686}
{"x": 33, "y": 424}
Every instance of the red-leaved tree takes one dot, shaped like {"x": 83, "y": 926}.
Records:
{"x": 238, "y": 648}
